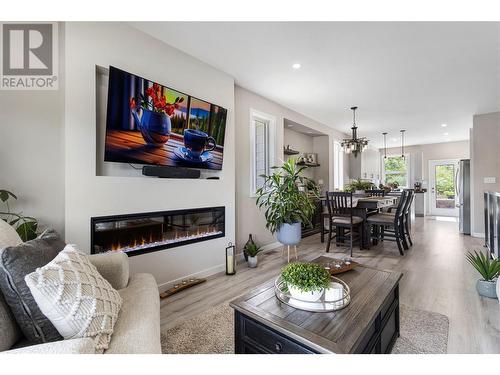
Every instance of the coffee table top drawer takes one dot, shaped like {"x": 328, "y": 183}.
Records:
{"x": 270, "y": 340}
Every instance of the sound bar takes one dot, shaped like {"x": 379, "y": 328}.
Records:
{"x": 169, "y": 172}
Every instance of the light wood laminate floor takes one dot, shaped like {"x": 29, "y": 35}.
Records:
{"x": 436, "y": 278}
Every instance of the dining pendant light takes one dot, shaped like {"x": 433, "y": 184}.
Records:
{"x": 402, "y": 143}
{"x": 385, "y": 144}
{"x": 354, "y": 144}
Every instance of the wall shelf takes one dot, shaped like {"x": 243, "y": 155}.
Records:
{"x": 289, "y": 151}
{"x": 309, "y": 164}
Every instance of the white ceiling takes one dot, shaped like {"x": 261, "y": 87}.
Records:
{"x": 401, "y": 75}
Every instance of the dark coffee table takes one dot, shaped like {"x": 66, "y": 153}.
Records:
{"x": 370, "y": 324}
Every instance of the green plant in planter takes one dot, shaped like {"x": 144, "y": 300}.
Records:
{"x": 307, "y": 277}
{"x": 26, "y": 226}
{"x": 283, "y": 199}
{"x": 358, "y": 185}
{"x": 252, "y": 249}
{"x": 487, "y": 268}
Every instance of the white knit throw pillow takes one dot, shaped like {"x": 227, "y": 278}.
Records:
{"x": 77, "y": 300}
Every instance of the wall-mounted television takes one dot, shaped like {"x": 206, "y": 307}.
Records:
{"x": 149, "y": 123}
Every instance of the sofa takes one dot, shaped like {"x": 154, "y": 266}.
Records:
{"x": 137, "y": 329}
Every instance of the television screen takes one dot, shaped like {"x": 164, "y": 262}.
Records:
{"x": 148, "y": 123}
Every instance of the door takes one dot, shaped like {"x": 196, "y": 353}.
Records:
{"x": 443, "y": 187}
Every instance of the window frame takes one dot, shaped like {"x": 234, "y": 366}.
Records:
{"x": 408, "y": 172}
{"x": 270, "y": 122}
{"x": 338, "y": 165}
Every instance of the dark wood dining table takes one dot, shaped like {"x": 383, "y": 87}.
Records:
{"x": 364, "y": 207}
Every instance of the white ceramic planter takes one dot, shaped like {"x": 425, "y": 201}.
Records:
{"x": 252, "y": 261}
{"x": 289, "y": 234}
{"x": 487, "y": 288}
{"x": 305, "y": 296}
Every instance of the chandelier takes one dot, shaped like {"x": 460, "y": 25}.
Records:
{"x": 354, "y": 145}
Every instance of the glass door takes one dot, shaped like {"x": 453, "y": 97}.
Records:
{"x": 443, "y": 187}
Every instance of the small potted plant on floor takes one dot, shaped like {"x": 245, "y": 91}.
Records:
{"x": 252, "y": 250}
{"x": 286, "y": 202}
{"x": 306, "y": 281}
{"x": 489, "y": 269}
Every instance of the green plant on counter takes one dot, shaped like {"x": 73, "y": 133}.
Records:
{"x": 252, "y": 249}
{"x": 307, "y": 277}
{"x": 283, "y": 198}
{"x": 25, "y": 226}
{"x": 488, "y": 268}
{"x": 358, "y": 185}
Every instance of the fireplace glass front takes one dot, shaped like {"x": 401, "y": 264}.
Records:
{"x": 141, "y": 233}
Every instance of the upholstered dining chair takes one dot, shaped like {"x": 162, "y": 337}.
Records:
{"x": 390, "y": 227}
{"x": 341, "y": 220}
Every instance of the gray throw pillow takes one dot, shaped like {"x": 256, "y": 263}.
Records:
{"x": 15, "y": 263}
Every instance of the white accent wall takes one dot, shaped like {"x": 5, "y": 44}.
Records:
{"x": 87, "y": 194}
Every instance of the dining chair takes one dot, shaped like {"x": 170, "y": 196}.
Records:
{"x": 406, "y": 219}
{"x": 384, "y": 227}
{"x": 375, "y": 193}
{"x": 341, "y": 219}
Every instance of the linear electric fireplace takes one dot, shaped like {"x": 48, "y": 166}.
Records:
{"x": 146, "y": 232}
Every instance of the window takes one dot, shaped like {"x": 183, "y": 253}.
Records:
{"x": 338, "y": 166}
{"x": 396, "y": 170}
{"x": 262, "y": 138}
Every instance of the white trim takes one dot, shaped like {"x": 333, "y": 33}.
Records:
{"x": 338, "y": 165}
{"x": 477, "y": 235}
{"x": 430, "y": 202}
{"x": 408, "y": 168}
{"x": 270, "y": 120}
{"x": 201, "y": 274}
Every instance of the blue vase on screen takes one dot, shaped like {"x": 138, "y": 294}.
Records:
{"x": 155, "y": 127}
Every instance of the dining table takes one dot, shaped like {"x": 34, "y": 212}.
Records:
{"x": 361, "y": 207}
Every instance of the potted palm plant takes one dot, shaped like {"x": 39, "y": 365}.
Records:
{"x": 489, "y": 269}
{"x": 287, "y": 203}
{"x": 252, "y": 251}
{"x": 306, "y": 281}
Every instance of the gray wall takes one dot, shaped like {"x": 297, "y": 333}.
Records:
{"x": 32, "y": 150}
{"x": 485, "y": 162}
{"x": 248, "y": 217}
{"x": 89, "y": 194}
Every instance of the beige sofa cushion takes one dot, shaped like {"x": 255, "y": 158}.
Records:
{"x": 113, "y": 267}
{"x": 138, "y": 327}
{"x": 75, "y": 346}
{"x": 9, "y": 330}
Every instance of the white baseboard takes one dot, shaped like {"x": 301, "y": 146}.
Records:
{"x": 201, "y": 274}
{"x": 212, "y": 270}
{"x": 477, "y": 235}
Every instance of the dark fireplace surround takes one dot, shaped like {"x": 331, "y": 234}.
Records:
{"x": 142, "y": 233}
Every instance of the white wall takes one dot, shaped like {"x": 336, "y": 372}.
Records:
{"x": 420, "y": 155}
{"x": 32, "y": 150}
{"x": 88, "y": 195}
{"x": 248, "y": 217}
{"x": 485, "y": 162}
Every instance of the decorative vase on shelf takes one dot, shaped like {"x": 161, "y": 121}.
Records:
{"x": 249, "y": 242}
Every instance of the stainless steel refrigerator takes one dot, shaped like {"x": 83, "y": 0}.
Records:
{"x": 463, "y": 192}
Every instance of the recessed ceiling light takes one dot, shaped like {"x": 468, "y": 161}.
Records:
{"x": 296, "y": 66}
{"x": 447, "y": 139}
{"x": 310, "y": 132}
{"x": 290, "y": 125}
{"x": 445, "y": 133}
{"x": 444, "y": 125}
{"x": 393, "y": 139}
